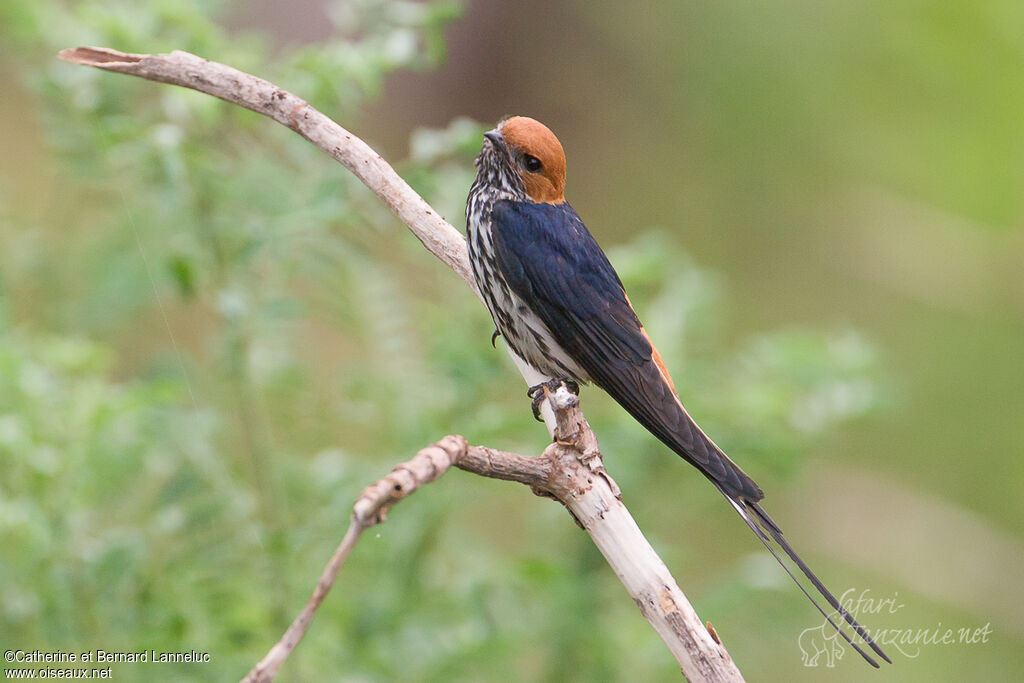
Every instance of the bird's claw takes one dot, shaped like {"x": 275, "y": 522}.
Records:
{"x": 535, "y": 406}
{"x": 539, "y": 392}
{"x": 536, "y": 392}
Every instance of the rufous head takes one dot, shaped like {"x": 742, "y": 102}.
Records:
{"x": 533, "y": 153}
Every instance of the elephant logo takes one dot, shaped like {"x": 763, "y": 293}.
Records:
{"x": 817, "y": 641}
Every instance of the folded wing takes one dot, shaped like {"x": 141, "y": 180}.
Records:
{"x": 553, "y": 263}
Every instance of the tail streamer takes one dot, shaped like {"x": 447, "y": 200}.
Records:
{"x": 765, "y": 528}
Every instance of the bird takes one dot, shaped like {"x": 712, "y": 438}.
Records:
{"x": 561, "y": 308}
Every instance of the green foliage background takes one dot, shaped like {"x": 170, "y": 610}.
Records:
{"x": 212, "y": 337}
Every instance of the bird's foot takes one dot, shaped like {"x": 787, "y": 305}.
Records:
{"x": 539, "y": 392}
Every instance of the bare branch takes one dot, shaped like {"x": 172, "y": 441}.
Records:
{"x": 245, "y": 90}
{"x": 582, "y": 484}
{"x": 267, "y": 667}
{"x": 370, "y": 508}
{"x": 488, "y": 462}
{"x": 571, "y": 469}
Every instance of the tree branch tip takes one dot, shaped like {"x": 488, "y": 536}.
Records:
{"x": 367, "y": 512}
{"x": 101, "y": 57}
{"x": 563, "y": 399}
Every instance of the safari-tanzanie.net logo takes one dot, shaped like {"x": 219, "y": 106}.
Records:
{"x": 821, "y": 645}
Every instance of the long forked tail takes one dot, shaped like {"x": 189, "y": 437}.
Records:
{"x": 765, "y": 528}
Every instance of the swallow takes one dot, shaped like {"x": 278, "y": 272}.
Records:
{"x": 560, "y": 306}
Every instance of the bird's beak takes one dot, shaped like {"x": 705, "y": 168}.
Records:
{"x": 496, "y": 138}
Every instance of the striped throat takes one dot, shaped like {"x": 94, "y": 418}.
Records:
{"x": 525, "y": 333}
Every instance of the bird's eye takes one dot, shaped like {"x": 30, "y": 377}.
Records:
{"x": 533, "y": 164}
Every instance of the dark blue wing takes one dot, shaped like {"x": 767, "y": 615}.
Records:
{"x": 550, "y": 260}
